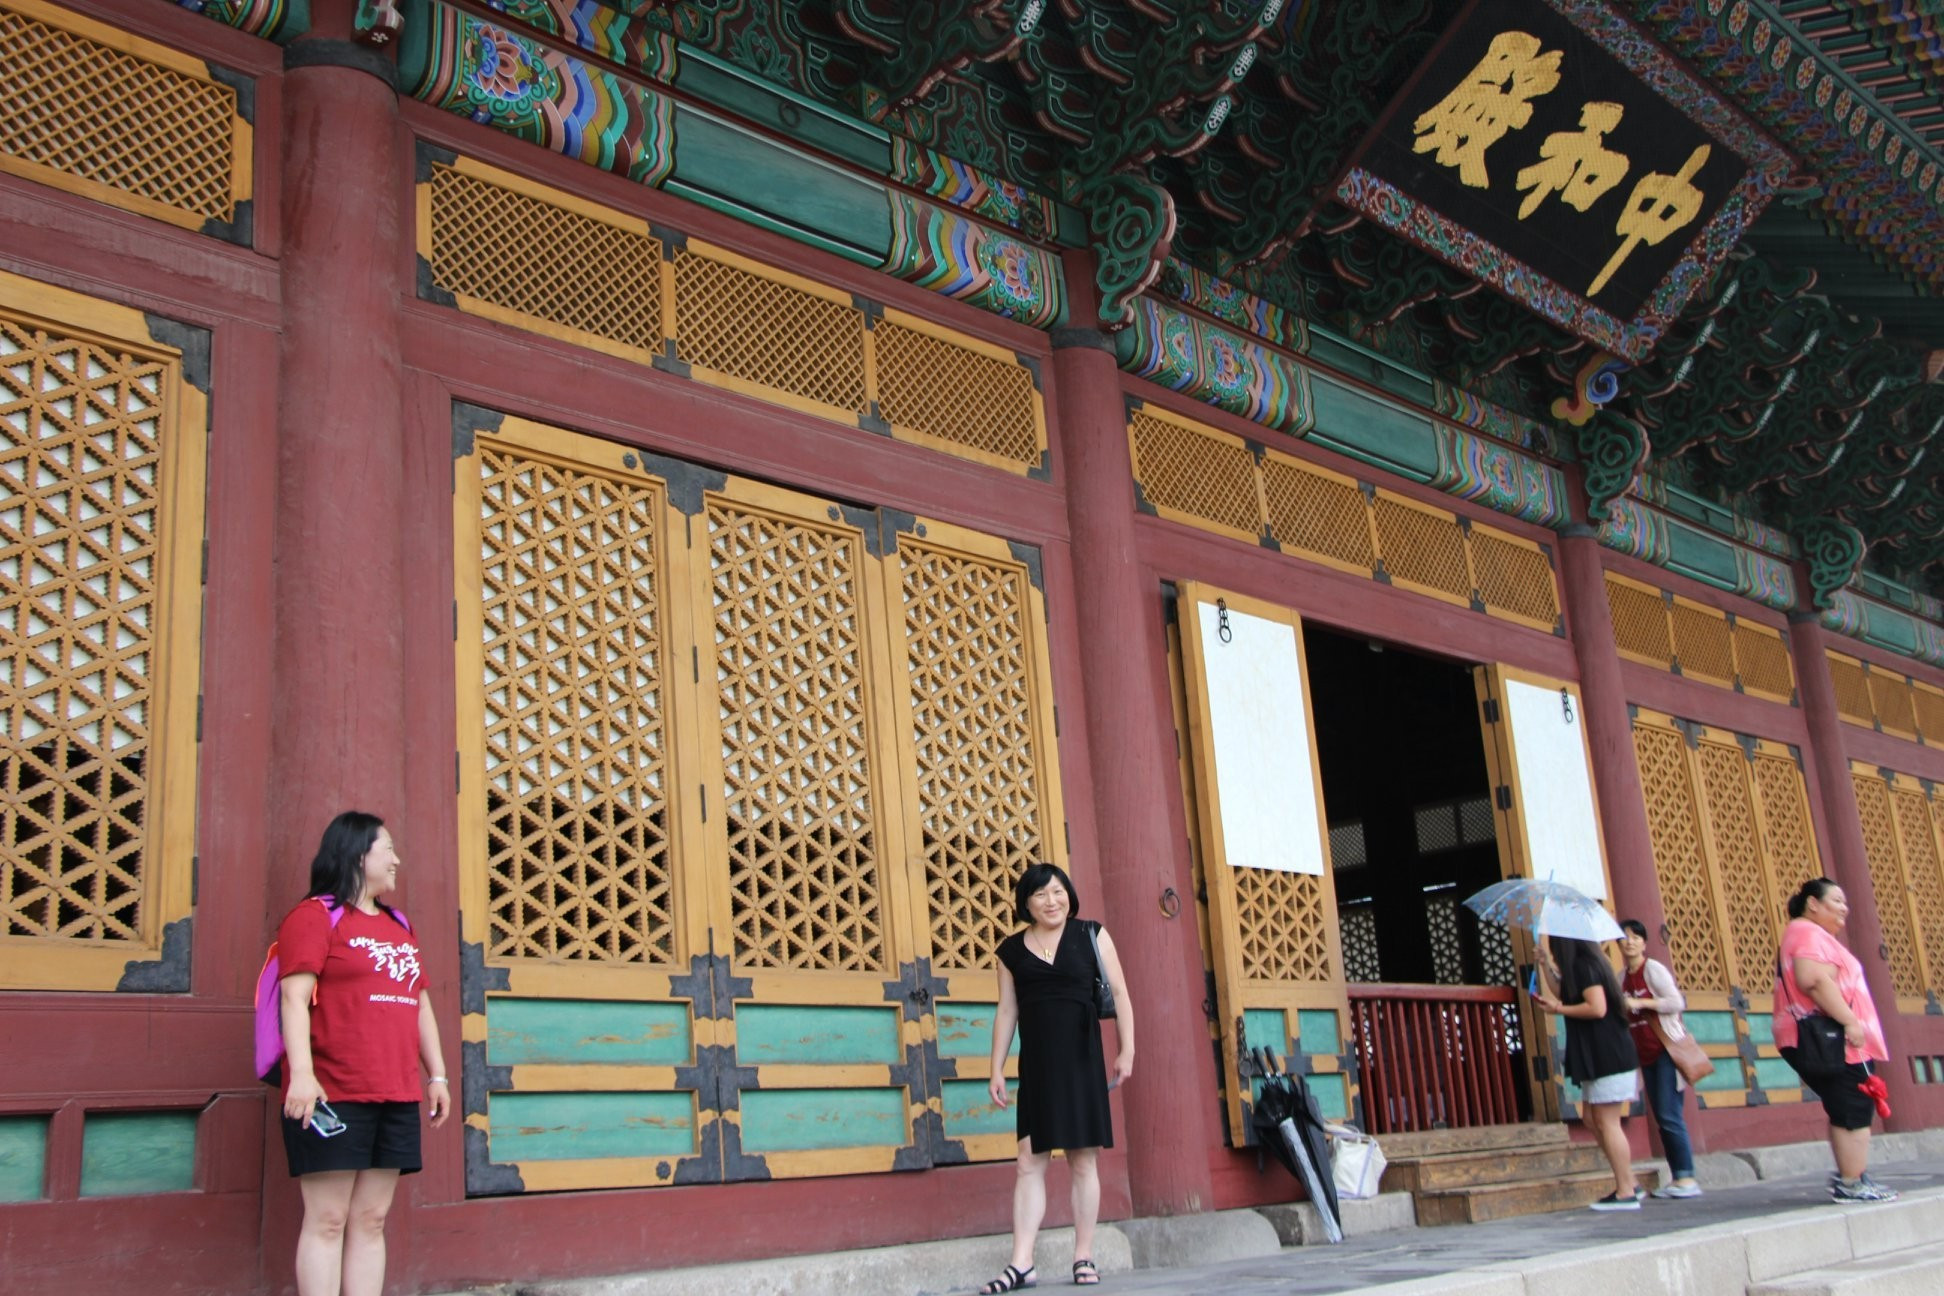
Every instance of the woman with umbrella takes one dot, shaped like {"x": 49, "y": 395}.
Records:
{"x": 1600, "y": 1056}
{"x": 1816, "y": 973}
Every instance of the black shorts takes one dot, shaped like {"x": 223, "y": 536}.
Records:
{"x": 1848, "y": 1107}
{"x": 377, "y": 1136}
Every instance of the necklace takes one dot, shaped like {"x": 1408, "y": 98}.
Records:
{"x": 1048, "y": 955}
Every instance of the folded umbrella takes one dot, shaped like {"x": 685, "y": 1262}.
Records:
{"x": 1287, "y": 1119}
{"x": 1879, "y": 1093}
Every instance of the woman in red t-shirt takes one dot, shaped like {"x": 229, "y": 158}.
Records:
{"x": 357, "y": 1022}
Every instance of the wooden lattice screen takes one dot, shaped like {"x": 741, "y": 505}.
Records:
{"x": 1728, "y": 819}
{"x": 522, "y": 254}
{"x": 1880, "y": 698}
{"x": 753, "y": 773}
{"x": 1901, "y": 821}
{"x": 1190, "y": 473}
{"x": 98, "y": 112}
{"x": 101, "y": 504}
{"x": 1661, "y": 629}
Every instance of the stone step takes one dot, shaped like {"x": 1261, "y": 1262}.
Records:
{"x": 1483, "y": 1202}
{"x": 1476, "y": 1138}
{"x": 1473, "y": 1169}
{"x": 1914, "y": 1271}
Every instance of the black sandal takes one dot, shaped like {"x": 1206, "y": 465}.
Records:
{"x": 1011, "y": 1280}
{"x": 1086, "y": 1274}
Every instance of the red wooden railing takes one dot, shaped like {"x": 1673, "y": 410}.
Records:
{"x": 1435, "y": 1057}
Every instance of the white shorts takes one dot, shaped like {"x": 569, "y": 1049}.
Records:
{"x": 1621, "y": 1086}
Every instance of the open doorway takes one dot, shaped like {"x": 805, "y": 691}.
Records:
{"x": 1413, "y": 832}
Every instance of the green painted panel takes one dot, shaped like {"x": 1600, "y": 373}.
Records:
{"x": 755, "y": 172}
{"x": 589, "y": 1126}
{"x": 23, "y": 1158}
{"x": 727, "y": 86}
{"x": 1890, "y": 629}
{"x": 1319, "y": 1031}
{"x": 1727, "y": 1075}
{"x": 1774, "y": 1073}
{"x": 1761, "y": 1028}
{"x": 811, "y": 1036}
{"x": 1374, "y": 432}
{"x": 969, "y": 1109}
{"x": 1695, "y": 553}
{"x": 1711, "y": 1027}
{"x": 578, "y": 1032}
{"x": 124, "y": 1153}
{"x": 1332, "y": 1095}
{"x": 803, "y": 1120}
{"x": 1266, "y": 1028}
{"x": 965, "y": 1030}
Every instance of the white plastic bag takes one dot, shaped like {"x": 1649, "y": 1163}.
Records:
{"x": 1357, "y": 1163}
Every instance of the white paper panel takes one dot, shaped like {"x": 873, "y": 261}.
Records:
{"x": 1561, "y": 827}
{"x": 1264, "y": 784}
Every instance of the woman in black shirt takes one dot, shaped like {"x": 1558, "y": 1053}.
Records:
{"x": 1600, "y": 1056}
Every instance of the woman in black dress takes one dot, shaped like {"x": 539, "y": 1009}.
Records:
{"x": 1046, "y": 990}
{"x": 1600, "y": 1055}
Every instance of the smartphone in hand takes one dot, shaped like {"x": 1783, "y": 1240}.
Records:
{"x": 326, "y": 1122}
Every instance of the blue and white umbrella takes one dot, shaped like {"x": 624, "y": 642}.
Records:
{"x": 1544, "y": 907}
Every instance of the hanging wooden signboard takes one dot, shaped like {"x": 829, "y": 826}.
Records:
{"x": 1550, "y": 150}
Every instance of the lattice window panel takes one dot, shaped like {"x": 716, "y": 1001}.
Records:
{"x": 1674, "y": 827}
{"x": 1347, "y": 848}
{"x": 80, "y": 107}
{"x": 1702, "y": 643}
{"x": 1437, "y": 828}
{"x": 1198, "y": 474}
{"x": 1737, "y": 862}
{"x": 545, "y": 261}
{"x": 1359, "y": 935}
{"x": 1514, "y": 578}
{"x": 81, "y": 430}
{"x": 1475, "y": 822}
{"x": 1447, "y": 946}
{"x": 1284, "y": 931}
{"x": 1891, "y": 694}
{"x": 767, "y": 332}
{"x": 1916, "y": 832}
{"x": 1927, "y": 704}
{"x": 956, "y": 394}
{"x": 1762, "y": 660}
{"x": 1852, "y": 690}
{"x": 578, "y": 859}
{"x": 1886, "y": 880}
{"x": 1495, "y": 958}
{"x": 969, "y": 668}
{"x": 1315, "y": 513}
{"x": 1640, "y": 622}
{"x": 1422, "y": 547}
{"x": 1788, "y": 838}
{"x": 790, "y": 666}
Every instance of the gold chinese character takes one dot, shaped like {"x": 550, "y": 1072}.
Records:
{"x": 1575, "y": 163}
{"x": 1659, "y": 205}
{"x": 1491, "y": 101}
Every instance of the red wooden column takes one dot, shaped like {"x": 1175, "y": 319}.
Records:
{"x": 1609, "y": 731}
{"x": 339, "y": 584}
{"x": 1123, "y": 656}
{"x": 1848, "y": 864}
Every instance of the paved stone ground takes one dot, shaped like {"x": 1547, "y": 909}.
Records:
{"x": 1381, "y": 1258}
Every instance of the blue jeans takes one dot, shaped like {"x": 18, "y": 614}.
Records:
{"x": 1665, "y": 1098}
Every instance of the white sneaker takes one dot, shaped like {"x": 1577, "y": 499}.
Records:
{"x": 1679, "y": 1190}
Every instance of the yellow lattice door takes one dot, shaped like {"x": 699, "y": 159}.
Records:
{"x": 101, "y": 505}
{"x": 598, "y": 1001}
{"x": 1270, "y": 896}
{"x": 1788, "y": 836}
{"x": 1675, "y": 826}
{"x": 813, "y": 897}
{"x": 1877, "y": 812}
{"x": 981, "y": 794}
{"x": 1737, "y": 860}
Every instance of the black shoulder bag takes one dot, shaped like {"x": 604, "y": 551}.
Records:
{"x": 1819, "y": 1050}
{"x": 1103, "y": 991}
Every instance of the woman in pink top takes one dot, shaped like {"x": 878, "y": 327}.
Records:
{"x": 1815, "y": 972}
